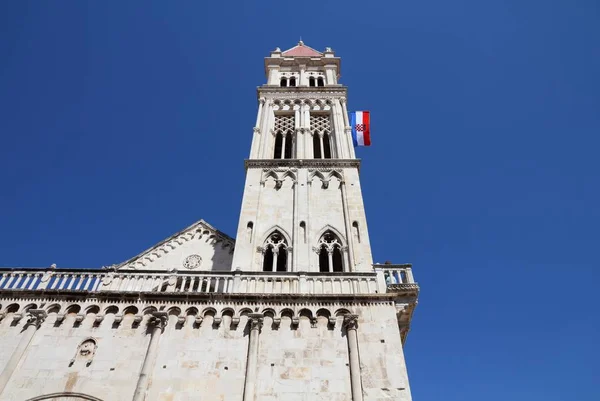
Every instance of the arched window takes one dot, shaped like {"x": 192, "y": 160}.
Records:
{"x": 278, "y": 145}
{"x": 311, "y": 81}
{"x": 293, "y": 81}
{"x": 330, "y": 253}
{"x": 284, "y": 140}
{"x": 320, "y": 81}
{"x": 326, "y": 147}
{"x": 289, "y": 142}
{"x": 283, "y": 81}
{"x": 275, "y": 253}
{"x": 316, "y": 146}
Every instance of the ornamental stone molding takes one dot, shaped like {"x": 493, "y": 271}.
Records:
{"x": 198, "y": 231}
{"x": 158, "y": 319}
{"x": 303, "y": 163}
{"x": 36, "y": 317}
{"x": 351, "y": 322}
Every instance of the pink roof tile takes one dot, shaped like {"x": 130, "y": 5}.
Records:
{"x": 301, "y": 51}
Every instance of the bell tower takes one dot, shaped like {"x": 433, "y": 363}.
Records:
{"x": 302, "y": 209}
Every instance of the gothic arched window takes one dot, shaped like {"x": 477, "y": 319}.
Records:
{"x": 311, "y": 81}
{"x": 283, "y": 81}
{"x": 278, "y": 145}
{"x": 320, "y": 81}
{"x": 293, "y": 81}
{"x": 320, "y": 125}
{"x": 326, "y": 147}
{"x": 316, "y": 146}
{"x": 289, "y": 142}
{"x": 284, "y": 139}
{"x": 275, "y": 253}
{"x": 330, "y": 253}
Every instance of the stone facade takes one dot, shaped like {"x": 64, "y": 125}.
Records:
{"x": 293, "y": 309}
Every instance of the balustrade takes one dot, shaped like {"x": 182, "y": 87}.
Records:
{"x": 190, "y": 282}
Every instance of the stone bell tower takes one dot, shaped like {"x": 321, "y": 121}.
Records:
{"x": 302, "y": 209}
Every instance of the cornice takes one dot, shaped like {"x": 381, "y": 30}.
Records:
{"x": 302, "y": 163}
{"x": 143, "y": 296}
{"x": 304, "y": 91}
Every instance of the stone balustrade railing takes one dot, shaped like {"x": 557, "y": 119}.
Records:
{"x": 385, "y": 278}
{"x": 396, "y": 277}
{"x": 191, "y": 282}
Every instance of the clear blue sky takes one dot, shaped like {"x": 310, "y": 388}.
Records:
{"x": 123, "y": 124}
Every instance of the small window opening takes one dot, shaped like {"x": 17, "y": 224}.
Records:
{"x": 303, "y": 231}
{"x": 293, "y": 81}
{"x": 283, "y": 82}
{"x": 320, "y": 81}
{"x": 356, "y": 231}
{"x": 316, "y": 146}
{"x": 311, "y": 81}
{"x": 249, "y": 229}
{"x": 327, "y": 146}
{"x": 278, "y": 145}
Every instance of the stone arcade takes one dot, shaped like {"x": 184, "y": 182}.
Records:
{"x": 292, "y": 309}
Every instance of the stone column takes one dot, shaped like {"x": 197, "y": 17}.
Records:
{"x": 348, "y": 232}
{"x": 35, "y": 318}
{"x": 255, "y": 321}
{"x": 156, "y": 324}
{"x": 351, "y": 324}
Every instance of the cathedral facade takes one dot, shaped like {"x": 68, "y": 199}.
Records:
{"x": 291, "y": 309}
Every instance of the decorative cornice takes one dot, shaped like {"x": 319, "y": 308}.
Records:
{"x": 302, "y": 163}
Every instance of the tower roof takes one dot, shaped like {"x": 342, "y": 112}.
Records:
{"x": 301, "y": 50}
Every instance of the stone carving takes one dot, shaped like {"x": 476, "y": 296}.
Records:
{"x": 85, "y": 352}
{"x": 192, "y": 262}
{"x": 351, "y": 322}
{"x": 36, "y": 317}
{"x": 158, "y": 319}
{"x": 256, "y": 321}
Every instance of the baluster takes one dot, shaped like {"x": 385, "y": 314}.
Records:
{"x": 26, "y": 281}
{"x": 80, "y": 282}
{"x": 54, "y": 279}
{"x": 72, "y": 281}
{"x": 88, "y": 281}
{"x": 10, "y": 280}
{"x": 64, "y": 278}
{"x": 33, "y": 280}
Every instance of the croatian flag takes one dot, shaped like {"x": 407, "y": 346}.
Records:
{"x": 361, "y": 128}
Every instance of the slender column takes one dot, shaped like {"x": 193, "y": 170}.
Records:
{"x": 322, "y": 147}
{"x": 347, "y": 130}
{"x": 261, "y": 101}
{"x": 351, "y": 324}
{"x": 330, "y": 256}
{"x": 156, "y": 323}
{"x": 35, "y": 318}
{"x": 255, "y": 321}
{"x": 283, "y": 137}
{"x": 349, "y": 235}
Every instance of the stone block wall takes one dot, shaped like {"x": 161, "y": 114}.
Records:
{"x": 303, "y": 352}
